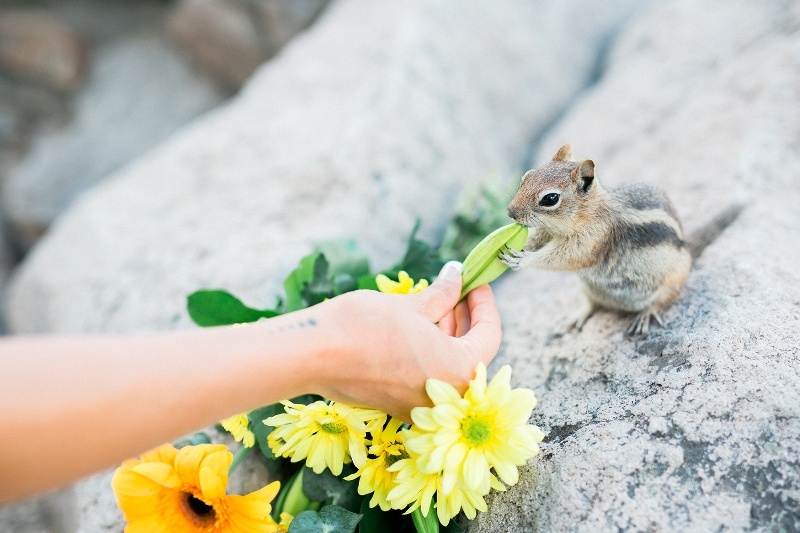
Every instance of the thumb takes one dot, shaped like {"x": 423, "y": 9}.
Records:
{"x": 442, "y": 296}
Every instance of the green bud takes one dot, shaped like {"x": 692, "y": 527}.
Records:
{"x": 482, "y": 264}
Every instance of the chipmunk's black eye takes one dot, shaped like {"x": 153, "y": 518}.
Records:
{"x": 549, "y": 200}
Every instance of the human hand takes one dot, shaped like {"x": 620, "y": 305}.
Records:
{"x": 388, "y": 345}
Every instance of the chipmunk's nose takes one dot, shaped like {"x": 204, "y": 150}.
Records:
{"x": 513, "y": 211}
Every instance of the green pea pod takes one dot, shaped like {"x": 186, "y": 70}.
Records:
{"x": 482, "y": 264}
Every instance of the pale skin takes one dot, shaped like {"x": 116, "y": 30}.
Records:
{"x": 70, "y": 406}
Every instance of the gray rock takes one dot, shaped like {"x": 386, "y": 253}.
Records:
{"x": 54, "y": 513}
{"x": 354, "y": 130}
{"x": 138, "y": 93}
{"x": 6, "y": 262}
{"x": 230, "y": 38}
{"x": 277, "y": 22}
{"x": 35, "y": 47}
{"x": 220, "y": 38}
{"x": 100, "y": 21}
{"x": 696, "y": 428}
{"x": 10, "y": 121}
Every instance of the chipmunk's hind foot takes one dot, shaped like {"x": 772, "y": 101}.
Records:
{"x": 573, "y": 322}
{"x": 640, "y": 326}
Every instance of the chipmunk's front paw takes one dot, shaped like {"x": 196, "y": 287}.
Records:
{"x": 514, "y": 259}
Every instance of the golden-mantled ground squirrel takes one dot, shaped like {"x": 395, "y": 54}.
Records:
{"x": 626, "y": 244}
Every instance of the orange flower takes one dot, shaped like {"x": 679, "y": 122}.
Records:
{"x": 183, "y": 491}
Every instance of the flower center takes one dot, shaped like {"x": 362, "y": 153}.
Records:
{"x": 476, "y": 431}
{"x": 391, "y": 458}
{"x": 197, "y": 511}
{"x": 334, "y": 428}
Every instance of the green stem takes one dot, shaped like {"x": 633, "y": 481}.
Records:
{"x": 240, "y": 455}
{"x": 292, "y": 499}
{"x": 425, "y": 524}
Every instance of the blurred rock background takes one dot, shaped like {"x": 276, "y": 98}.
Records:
{"x": 148, "y": 149}
{"x": 88, "y": 85}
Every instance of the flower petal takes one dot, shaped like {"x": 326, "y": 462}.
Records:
{"x": 211, "y": 484}
{"x": 440, "y": 392}
{"x": 160, "y": 473}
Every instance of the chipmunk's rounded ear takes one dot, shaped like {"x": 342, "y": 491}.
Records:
{"x": 564, "y": 153}
{"x": 584, "y": 174}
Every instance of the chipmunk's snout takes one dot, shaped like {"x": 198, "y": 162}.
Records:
{"x": 514, "y": 212}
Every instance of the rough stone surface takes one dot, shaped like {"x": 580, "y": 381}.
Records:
{"x": 696, "y": 428}
{"x": 354, "y": 130}
{"x": 231, "y": 38}
{"x": 139, "y": 91}
{"x": 280, "y": 21}
{"x": 219, "y": 36}
{"x": 6, "y": 262}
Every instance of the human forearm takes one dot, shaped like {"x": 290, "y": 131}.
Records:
{"x": 81, "y": 404}
{"x": 71, "y": 406}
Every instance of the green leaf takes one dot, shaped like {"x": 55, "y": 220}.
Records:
{"x": 343, "y": 283}
{"x": 292, "y": 498}
{"x": 332, "y": 490}
{"x": 329, "y": 519}
{"x": 344, "y": 257}
{"x": 452, "y": 527}
{"x": 192, "y": 440}
{"x": 421, "y": 260}
{"x": 368, "y": 283}
{"x": 425, "y": 524}
{"x": 220, "y": 308}
{"x": 295, "y": 282}
{"x": 261, "y": 430}
{"x": 321, "y": 285}
{"x": 376, "y": 521}
{"x": 307, "y": 399}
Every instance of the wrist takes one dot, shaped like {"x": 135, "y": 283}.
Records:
{"x": 280, "y": 358}
{"x": 341, "y": 342}
{"x": 327, "y": 345}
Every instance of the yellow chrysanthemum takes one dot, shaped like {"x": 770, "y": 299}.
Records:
{"x": 239, "y": 427}
{"x": 464, "y": 438}
{"x": 374, "y": 477}
{"x": 286, "y": 521}
{"x": 325, "y": 435}
{"x": 403, "y": 285}
{"x": 183, "y": 491}
{"x": 415, "y": 489}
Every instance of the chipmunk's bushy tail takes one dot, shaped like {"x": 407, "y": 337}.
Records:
{"x": 711, "y": 230}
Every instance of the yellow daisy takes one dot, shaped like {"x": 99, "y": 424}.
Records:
{"x": 387, "y": 448}
{"x": 464, "y": 438}
{"x": 239, "y": 427}
{"x": 415, "y": 489}
{"x": 286, "y": 521}
{"x": 325, "y": 435}
{"x": 403, "y": 285}
{"x": 183, "y": 491}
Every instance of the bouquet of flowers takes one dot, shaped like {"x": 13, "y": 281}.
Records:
{"x": 349, "y": 469}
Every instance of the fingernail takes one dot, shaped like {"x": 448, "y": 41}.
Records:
{"x": 451, "y": 271}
